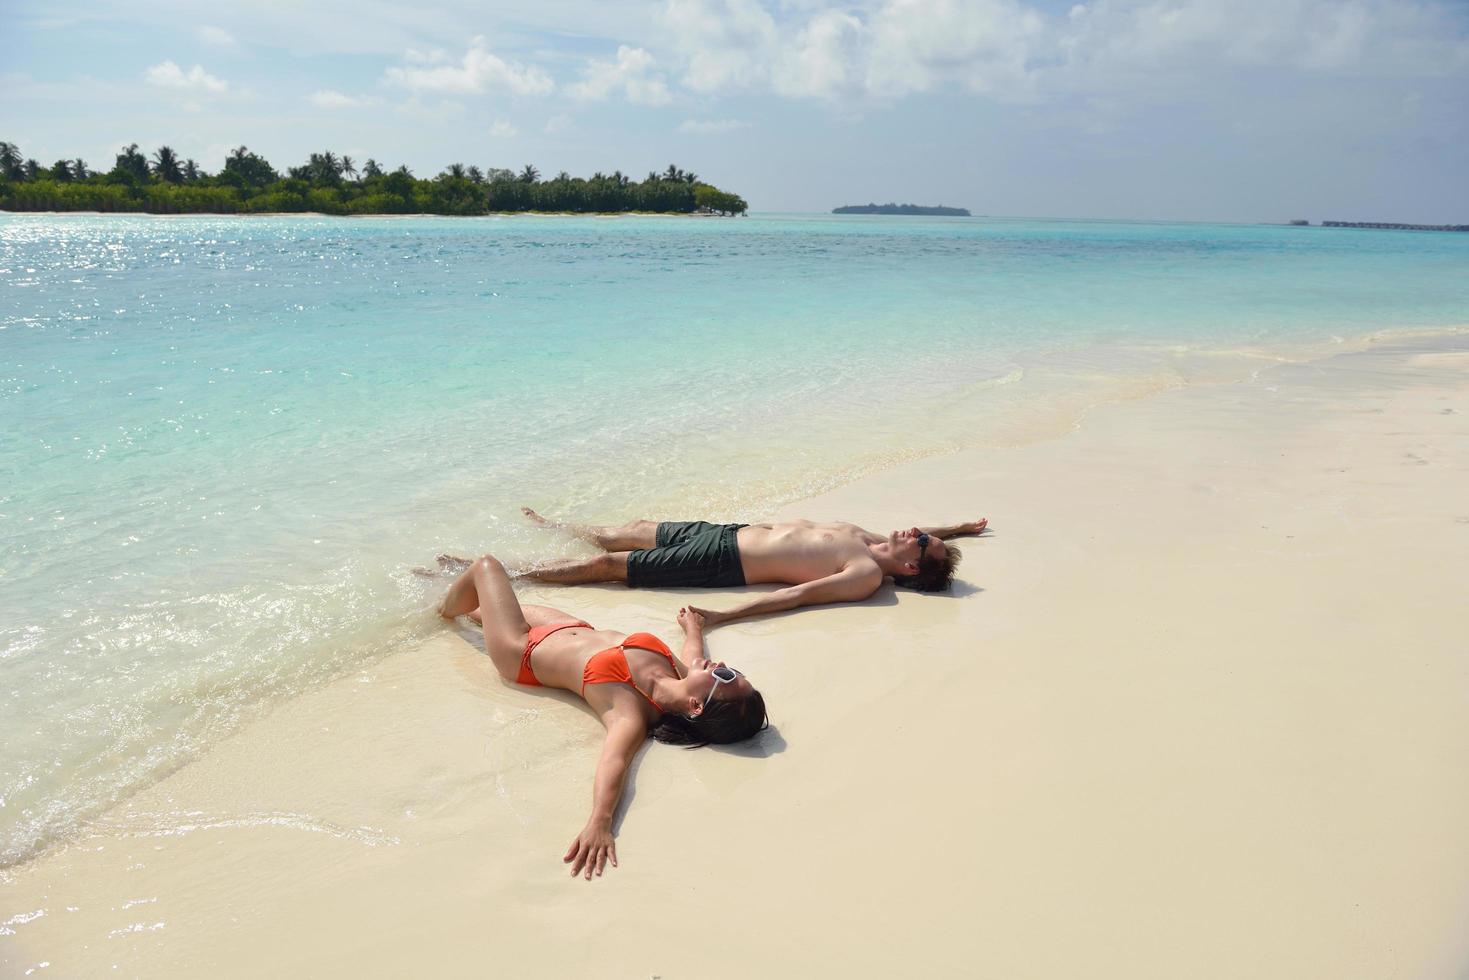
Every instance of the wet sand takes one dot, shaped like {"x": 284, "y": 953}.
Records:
{"x": 1198, "y": 707}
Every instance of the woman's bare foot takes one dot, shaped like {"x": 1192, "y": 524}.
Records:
{"x": 448, "y": 564}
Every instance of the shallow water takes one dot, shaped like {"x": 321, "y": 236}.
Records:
{"x": 226, "y": 441}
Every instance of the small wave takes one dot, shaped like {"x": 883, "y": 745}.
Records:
{"x": 181, "y": 824}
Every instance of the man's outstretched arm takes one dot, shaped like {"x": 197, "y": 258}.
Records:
{"x": 946, "y": 531}
{"x": 851, "y": 584}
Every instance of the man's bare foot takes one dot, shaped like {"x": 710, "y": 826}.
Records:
{"x": 537, "y": 519}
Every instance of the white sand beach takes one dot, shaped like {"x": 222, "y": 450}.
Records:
{"x": 1198, "y": 707}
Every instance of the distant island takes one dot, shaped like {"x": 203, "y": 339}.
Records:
{"x": 327, "y": 183}
{"x": 900, "y": 209}
{"x": 1392, "y": 225}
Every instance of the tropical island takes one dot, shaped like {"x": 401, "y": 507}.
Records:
{"x": 332, "y": 184}
{"x": 891, "y": 208}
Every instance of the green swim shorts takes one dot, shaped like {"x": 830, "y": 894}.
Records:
{"x": 689, "y": 554}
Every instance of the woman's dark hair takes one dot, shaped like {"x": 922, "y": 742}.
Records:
{"x": 934, "y": 574}
{"x": 722, "y": 722}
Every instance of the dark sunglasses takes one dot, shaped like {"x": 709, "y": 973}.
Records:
{"x": 922, "y": 540}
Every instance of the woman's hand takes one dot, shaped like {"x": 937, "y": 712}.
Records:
{"x": 592, "y": 849}
{"x": 691, "y": 619}
{"x": 709, "y": 618}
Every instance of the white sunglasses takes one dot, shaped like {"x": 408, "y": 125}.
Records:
{"x": 722, "y": 675}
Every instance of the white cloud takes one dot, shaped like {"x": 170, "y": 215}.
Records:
{"x": 1027, "y": 50}
{"x": 724, "y": 43}
{"x": 503, "y": 129}
{"x": 167, "y": 74}
{"x": 823, "y": 60}
{"x": 708, "y": 126}
{"x": 1163, "y": 45}
{"x": 479, "y": 71}
{"x": 986, "y": 45}
{"x": 217, "y": 36}
{"x": 631, "y": 75}
{"x": 332, "y": 99}
{"x": 433, "y": 56}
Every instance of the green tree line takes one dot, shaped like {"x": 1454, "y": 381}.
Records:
{"x": 331, "y": 184}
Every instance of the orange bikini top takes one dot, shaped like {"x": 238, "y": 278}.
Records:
{"x": 609, "y": 666}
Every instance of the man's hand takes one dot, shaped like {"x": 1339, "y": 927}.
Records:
{"x": 592, "y": 849}
{"x": 947, "y": 531}
{"x": 692, "y": 620}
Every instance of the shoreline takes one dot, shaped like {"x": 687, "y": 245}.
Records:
{"x": 1057, "y": 422}
{"x": 323, "y": 214}
{"x": 1157, "y": 740}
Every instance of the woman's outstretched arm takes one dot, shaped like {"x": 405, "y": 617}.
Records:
{"x": 594, "y": 846}
{"x": 693, "y": 637}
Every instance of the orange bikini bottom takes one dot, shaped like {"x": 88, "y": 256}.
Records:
{"x": 532, "y": 640}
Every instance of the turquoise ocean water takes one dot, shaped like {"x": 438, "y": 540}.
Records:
{"x": 225, "y": 442}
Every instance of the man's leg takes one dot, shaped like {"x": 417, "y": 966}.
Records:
{"x": 580, "y": 571}
{"x": 608, "y": 537}
{"x": 561, "y": 571}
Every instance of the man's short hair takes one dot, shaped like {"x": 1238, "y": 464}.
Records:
{"x": 935, "y": 574}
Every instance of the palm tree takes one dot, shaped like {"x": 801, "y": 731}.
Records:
{"x": 476, "y": 175}
{"x": 320, "y": 167}
{"x": 32, "y": 170}
{"x": 348, "y": 168}
{"x": 61, "y": 171}
{"x": 563, "y": 177}
{"x": 132, "y": 163}
{"x": 166, "y": 165}
{"x": 529, "y": 175}
{"x": 455, "y": 170}
{"x": 371, "y": 168}
{"x": 10, "y": 161}
{"x": 245, "y": 166}
{"x": 191, "y": 170}
{"x": 79, "y": 169}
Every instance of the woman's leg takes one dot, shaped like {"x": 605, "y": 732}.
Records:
{"x": 485, "y": 586}
{"x": 534, "y": 615}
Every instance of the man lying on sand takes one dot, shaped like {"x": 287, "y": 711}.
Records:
{"x": 819, "y": 563}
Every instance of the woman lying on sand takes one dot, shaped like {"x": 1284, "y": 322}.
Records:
{"x": 634, "y": 683}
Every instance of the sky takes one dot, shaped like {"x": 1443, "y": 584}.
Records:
{"x": 1209, "y": 110}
